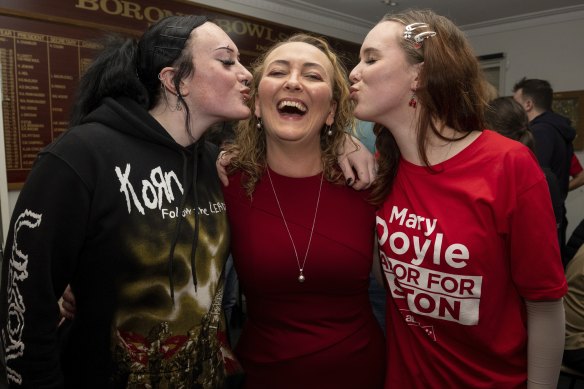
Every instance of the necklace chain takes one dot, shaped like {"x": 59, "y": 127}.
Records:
{"x": 301, "y": 277}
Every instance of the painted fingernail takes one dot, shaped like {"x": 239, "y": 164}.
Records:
{"x": 349, "y": 181}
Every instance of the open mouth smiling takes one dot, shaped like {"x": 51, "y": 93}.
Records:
{"x": 289, "y": 107}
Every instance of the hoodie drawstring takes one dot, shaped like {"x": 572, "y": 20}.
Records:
{"x": 195, "y": 243}
{"x": 186, "y": 189}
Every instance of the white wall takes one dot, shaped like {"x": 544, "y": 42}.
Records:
{"x": 550, "y": 48}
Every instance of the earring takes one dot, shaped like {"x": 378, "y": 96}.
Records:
{"x": 259, "y": 123}
{"x": 178, "y": 104}
{"x": 413, "y": 102}
{"x": 177, "y": 107}
{"x": 329, "y": 132}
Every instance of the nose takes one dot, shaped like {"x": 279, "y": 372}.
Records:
{"x": 292, "y": 82}
{"x": 355, "y": 75}
{"x": 245, "y": 76}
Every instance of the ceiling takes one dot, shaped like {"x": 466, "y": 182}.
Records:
{"x": 464, "y": 13}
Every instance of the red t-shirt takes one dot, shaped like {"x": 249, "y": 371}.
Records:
{"x": 575, "y": 166}
{"x": 461, "y": 248}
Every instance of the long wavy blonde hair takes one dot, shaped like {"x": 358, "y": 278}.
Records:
{"x": 249, "y": 147}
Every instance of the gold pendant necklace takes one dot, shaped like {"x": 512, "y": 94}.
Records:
{"x": 301, "y": 277}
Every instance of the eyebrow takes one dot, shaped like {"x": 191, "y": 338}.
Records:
{"x": 225, "y": 48}
{"x": 304, "y": 65}
{"x": 370, "y": 50}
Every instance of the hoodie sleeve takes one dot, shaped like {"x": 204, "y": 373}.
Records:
{"x": 46, "y": 234}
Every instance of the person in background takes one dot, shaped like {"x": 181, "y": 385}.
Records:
{"x": 465, "y": 227}
{"x": 508, "y": 118}
{"x": 576, "y": 240}
{"x": 221, "y": 134}
{"x": 576, "y": 174}
{"x": 126, "y": 206}
{"x": 574, "y": 306}
{"x": 364, "y": 131}
{"x": 491, "y": 91}
{"x": 553, "y": 135}
{"x": 302, "y": 240}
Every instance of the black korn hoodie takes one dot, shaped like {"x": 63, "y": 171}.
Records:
{"x": 136, "y": 224}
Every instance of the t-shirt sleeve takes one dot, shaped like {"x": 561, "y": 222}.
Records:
{"x": 575, "y": 166}
{"x": 536, "y": 263}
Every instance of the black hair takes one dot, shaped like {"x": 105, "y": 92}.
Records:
{"x": 111, "y": 74}
{"x": 507, "y": 117}
{"x": 163, "y": 45}
{"x": 540, "y": 91}
{"x": 127, "y": 67}
{"x": 221, "y": 134}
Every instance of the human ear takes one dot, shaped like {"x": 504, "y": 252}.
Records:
{"x": 416, "y": 69}
{"x": 330, "y": 119}
{"x": 166, "y": 77}
{"x": 257, "y": 111}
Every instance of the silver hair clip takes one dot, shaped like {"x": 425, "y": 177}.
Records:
{"x": 418, "y": 39}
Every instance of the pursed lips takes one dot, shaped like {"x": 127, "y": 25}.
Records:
{"x": 245, "y": 94}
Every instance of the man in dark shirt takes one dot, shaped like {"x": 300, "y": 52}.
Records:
{"x": 553, "y": 135}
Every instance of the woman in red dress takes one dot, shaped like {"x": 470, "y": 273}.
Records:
{"x": 302, "y": 241}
